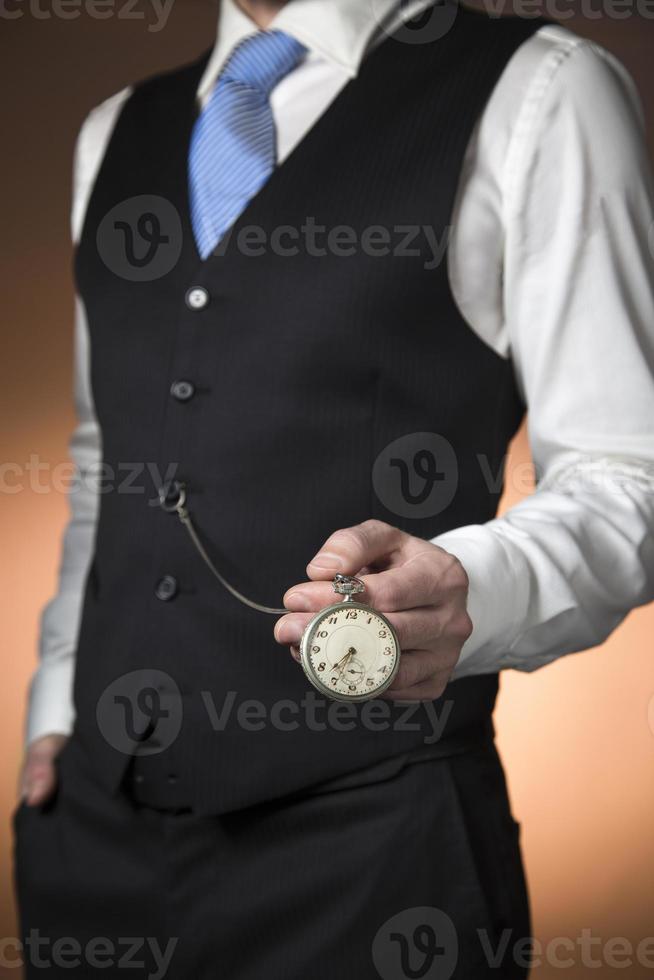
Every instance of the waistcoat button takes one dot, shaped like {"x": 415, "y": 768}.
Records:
{"x": 167, "y": 588}
{"x": 197, "y": 298}
{"x": 182, "y": 390}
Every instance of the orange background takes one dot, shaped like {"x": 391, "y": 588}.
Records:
{"x": 575, "y": 736}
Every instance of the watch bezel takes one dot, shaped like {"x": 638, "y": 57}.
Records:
{"x": 309, "y": 671}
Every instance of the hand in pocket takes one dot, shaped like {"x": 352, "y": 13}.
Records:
{"x": 38, "y": 778}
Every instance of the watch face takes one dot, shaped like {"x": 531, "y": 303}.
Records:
{"x": 350, "y": 652}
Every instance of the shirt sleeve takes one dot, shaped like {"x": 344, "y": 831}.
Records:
{"x": 559, "y": 571}
{"x": 50, "y": 709}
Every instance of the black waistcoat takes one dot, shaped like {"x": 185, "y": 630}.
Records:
{"x": 303, "y": 369}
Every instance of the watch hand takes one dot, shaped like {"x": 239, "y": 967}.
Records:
{"x": 350, "y": 653}
{"x": 344, "y": 660}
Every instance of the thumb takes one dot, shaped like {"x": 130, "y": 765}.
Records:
{"x": 39, "y": 775}
{"x": 353, "y": 548}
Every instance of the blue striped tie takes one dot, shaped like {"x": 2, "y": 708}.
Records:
{"x": 233, "y": 146}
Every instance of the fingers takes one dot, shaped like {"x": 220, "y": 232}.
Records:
{"x": 420, "y": 588}
{"x": 429, "y": 690}
{"x": 350, "y": 549}
{"x": 309, "y": 597}
{"x": 415, "y": 628}
{"x": 289, "y": 629}
{"x": 39, "y": 782}
{"x": 414, "y": 584}
{"x": 422, "y": 673}
{"x": 39, "y": 775}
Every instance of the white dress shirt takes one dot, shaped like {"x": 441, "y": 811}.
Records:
{"x": 551, "y": 265}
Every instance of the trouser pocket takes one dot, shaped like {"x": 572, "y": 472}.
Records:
{"x": 493, "y": 842}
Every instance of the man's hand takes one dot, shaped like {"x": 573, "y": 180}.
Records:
{"x": 38, "y": 779}
{"x": 419, "y": 587}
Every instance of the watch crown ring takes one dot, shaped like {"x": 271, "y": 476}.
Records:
{"x": 347, "y": 584}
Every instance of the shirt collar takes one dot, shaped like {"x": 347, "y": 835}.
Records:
{"x": 338, "y": 31}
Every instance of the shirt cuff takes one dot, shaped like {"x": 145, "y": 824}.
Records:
{"x": 498, "y": 595}
{"x": 51, "y": 699}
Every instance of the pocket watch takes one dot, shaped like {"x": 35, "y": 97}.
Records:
{"x": 349, "y": 651}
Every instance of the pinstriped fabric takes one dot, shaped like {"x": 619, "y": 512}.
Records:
{"x": 233, "y": 146}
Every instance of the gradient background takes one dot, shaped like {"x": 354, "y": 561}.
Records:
{"x": 577, "y": 737}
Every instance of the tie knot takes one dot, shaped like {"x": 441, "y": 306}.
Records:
{"x": 261, "y": 61}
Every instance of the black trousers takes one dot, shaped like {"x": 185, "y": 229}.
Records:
{"x": 410, "y": 869}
